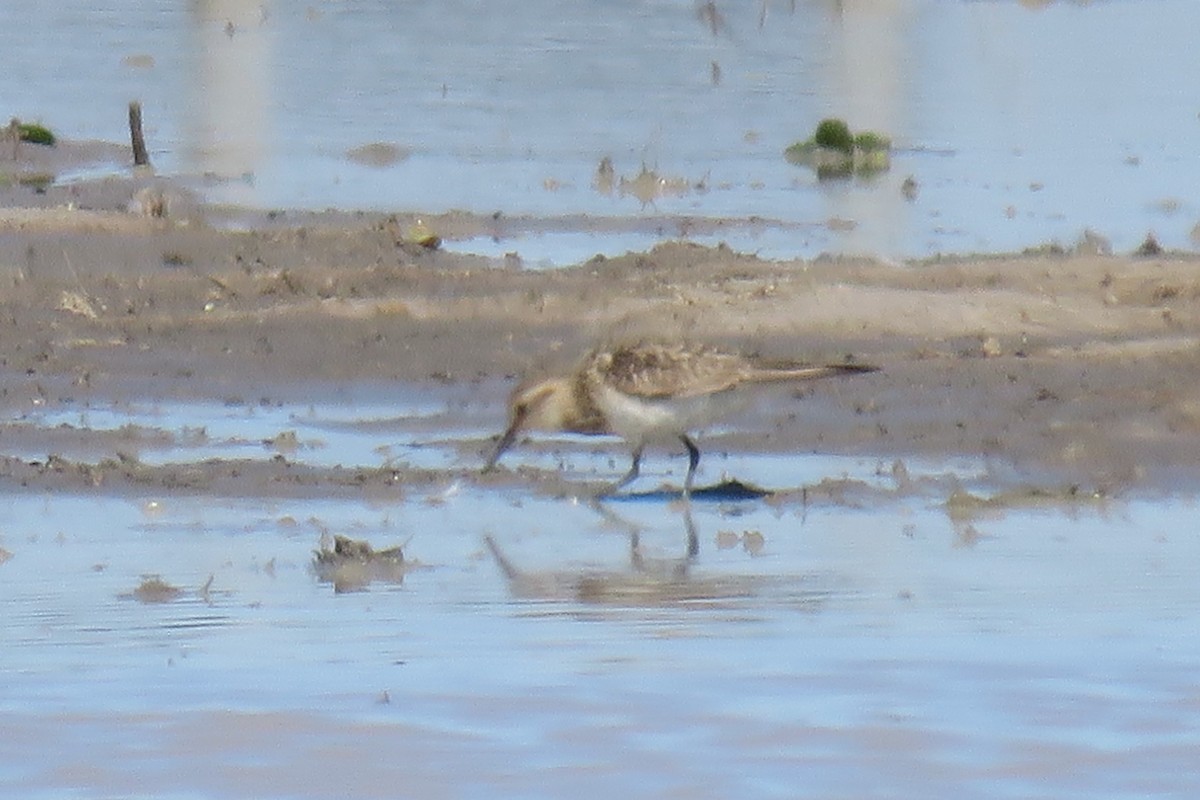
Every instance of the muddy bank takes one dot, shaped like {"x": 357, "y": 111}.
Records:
{"x": 1062, "y": 368}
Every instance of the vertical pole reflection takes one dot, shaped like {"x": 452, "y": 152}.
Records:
{"x": 227, "y": 118}
{"x": 869, "y": 90}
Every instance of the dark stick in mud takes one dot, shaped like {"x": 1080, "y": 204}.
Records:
{"x": 13, "y": 132}
{"x": 140, "y": 158}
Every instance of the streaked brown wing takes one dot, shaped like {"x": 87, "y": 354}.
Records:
{"x": 657, "y": 371}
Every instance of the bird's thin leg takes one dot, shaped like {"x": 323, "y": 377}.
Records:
{"x": 689, "y": 524}
{"x": 693, "y": 462}
{"x": 630, "y": 476}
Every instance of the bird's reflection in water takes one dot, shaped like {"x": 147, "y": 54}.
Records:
{"x": 648, "y": 581}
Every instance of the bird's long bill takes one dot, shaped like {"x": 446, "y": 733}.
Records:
{"x": 506, "y": 441}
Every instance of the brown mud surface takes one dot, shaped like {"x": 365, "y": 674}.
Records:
{"x": 1069, "y": 370}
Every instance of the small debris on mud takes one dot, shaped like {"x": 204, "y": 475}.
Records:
{"x": 422, "y": 235}
{"x": 1149, "y": 248}
{"x": 648, "y": 186}
{"x": 377, "y": 154}
{"x": 1091, "y": 243}
{"x": 752, "y": 541}
{"x": 606, "y": 176}
{"x": 351, "y": 564}
{"x": 76, "y": 303}
{"x": 153, "y": 589}
{"x": 284, "y": 442}
{"x": 151, "y": 201}
{"x": 990, "y": 347}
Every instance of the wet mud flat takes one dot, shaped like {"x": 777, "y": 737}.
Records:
{"x": 1070, "y": 369}
{"x": 974, "y": 572}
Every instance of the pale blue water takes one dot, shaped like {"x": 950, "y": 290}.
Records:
{"x": 858, "y": 653}
{"x": 807, "y": 650}
{"x": 1021, "y": 126}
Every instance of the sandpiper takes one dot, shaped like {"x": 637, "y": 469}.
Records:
{"x": 648, "y": 392}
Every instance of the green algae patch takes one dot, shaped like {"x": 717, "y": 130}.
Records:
{"x": 835, "y": 151}
{"x": 834, "y": 134}
{"x": 36, "y": 134}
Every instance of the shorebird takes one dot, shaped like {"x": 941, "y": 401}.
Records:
{"x": 648, "y": 392}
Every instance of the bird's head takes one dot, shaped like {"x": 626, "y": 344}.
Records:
{"x": 545, "y": 405}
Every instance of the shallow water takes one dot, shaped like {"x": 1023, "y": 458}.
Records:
{"x": 806, "y": 650}
{"x": 1021, "y": 122}
{"x": 320, "y": 434}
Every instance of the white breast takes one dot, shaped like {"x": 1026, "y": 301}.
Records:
{"x": 639, "y": 419}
